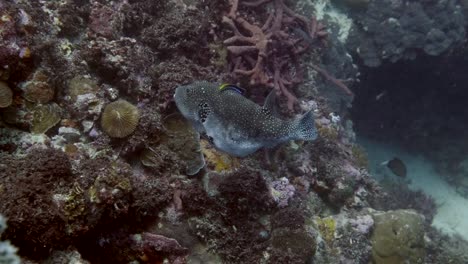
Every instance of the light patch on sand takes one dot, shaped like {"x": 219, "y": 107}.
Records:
{"x": 452, "y": 214}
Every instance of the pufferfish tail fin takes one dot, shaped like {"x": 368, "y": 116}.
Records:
{"x": 305, "y": 127}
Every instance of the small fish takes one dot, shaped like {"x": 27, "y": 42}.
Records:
{"x": 380, "y": 95}
{"x": 236, "y": 125}
{"x": 397, "y": 166}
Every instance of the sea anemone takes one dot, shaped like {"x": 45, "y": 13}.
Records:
{"x": 120, "y": 119}
{"x": 6, "y": 95}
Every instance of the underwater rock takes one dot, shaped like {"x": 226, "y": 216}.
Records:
{"x": 83, "y": 94}
{"x": 88, "y": 106}
{"x": 245, "y": 192}
{"x": 235, "y": 240}
{"x": 178, "y": 142}
{"x": 153, "y": 246}
{"x": 151, "y": 195}
{"x": 211, "y": 182}
{"x": 101, "y": 191}
{"x": 297, "y": 242}
{"x": 28, "y": 185}
{"x": 165, "y": 33}
{"x": 398, "y": 237}
{"x": 124, "y": 63}
{"x": 183, "y": 140}
{"x": 87, "y": 125}
{"x": 6, "y": 95}
{"x": 160, "y": 159}
{"x": 70, "y": 134}
{"x": 14, "y": 50}
{"x": 351, "y": 237}
{"x": 105, "y": 20}
{"x": 391, "y": 30}
{"x": 362, "y": 224}
{"x": 356, "y": 3}
{"x": 71, "y": 256}
{"x": 120, "y": 119}
{"x": 45, "y": 117}
{"x": 81, "y": 85}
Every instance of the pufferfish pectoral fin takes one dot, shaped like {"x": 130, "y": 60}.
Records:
{"x": 271, "y": 103}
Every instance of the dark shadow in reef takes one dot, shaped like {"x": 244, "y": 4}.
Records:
{"x": 420, "y": 104}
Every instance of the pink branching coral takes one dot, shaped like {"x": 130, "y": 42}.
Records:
{"x": 269, "y": 54}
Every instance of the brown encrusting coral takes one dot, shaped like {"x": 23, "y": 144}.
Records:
{"x": 28, "y": 187}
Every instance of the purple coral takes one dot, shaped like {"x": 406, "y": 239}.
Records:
{"x": 362, "y": 224}
{"x": 282, "y": 191}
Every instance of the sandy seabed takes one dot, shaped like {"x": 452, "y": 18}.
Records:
{"x": 452, "y": 211}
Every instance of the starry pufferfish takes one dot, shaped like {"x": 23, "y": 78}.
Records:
{"x": 235, "y": 124}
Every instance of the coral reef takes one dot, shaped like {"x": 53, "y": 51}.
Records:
{"x": 298, "y": 243}
{"x": 28, "y": 185}
{"x": 87, "y": 177}
{"x": 79, "y": 86}
{"x": 7, "y": 251}
{"x": 395, "y": 30}
{"x": 398, "y": 237}
{"x": 249, "y": 185}
{"x": 155, "y": 245}
{"x": 400, "y": 196}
